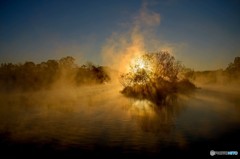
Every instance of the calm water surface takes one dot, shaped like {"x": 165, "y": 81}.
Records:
{"x": 100, "y": 120}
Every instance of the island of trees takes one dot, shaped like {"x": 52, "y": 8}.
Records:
{"x": 155, "y": 77}
{"x": 158, "y": 77}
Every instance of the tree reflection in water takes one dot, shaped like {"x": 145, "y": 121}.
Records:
{"x": 157, "y": 119}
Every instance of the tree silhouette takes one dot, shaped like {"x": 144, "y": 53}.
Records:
{"x": 31, "y": 76}
{"x": 233, "y": 70}
{"x": 154, "y": 76}
{"x": 235, "y": 66}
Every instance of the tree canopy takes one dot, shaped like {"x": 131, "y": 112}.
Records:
{"x": 31, "y": 76}
{"x": 154, "y": 76}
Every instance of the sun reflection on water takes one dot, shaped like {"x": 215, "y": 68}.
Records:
{"x": 142, "y": 107}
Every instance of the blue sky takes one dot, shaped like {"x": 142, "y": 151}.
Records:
{"x": 204, "y": 34}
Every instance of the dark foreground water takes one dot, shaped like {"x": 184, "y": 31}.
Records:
{"x": 99, "y": 122}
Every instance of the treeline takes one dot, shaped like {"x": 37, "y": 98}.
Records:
{"x": 222, "y": 76}
{"x": 31, "y": 76}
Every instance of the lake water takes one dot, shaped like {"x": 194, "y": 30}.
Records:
{"x": 99, "y": 121}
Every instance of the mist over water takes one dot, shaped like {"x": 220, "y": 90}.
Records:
{"x": 99, "y": 118}
{"x": 140, "y": 103}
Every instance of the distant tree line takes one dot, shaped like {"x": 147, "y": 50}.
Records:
{"x": 233, "y": 69}
{"x": 31, "y": 76}
{"x": 221, "y": 76}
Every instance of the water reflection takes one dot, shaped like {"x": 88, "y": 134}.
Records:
{"x": 157, "y": 119}
{"x": 102, "y": 117}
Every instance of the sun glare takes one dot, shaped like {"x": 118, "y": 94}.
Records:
{"x": 138, "y": 64}
{"x": 141, "y": 63}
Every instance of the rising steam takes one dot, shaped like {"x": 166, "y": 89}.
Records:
{"x": 121, "y": 47}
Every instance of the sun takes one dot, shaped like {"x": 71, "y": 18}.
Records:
{"x": 140, "y": 70}
{"x": 140, "y": 64}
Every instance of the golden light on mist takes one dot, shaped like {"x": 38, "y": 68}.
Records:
{"x": 142, "y": 108}
{"x": 121, "y": 49}
{"x": 141, "y": 67}
{"x": 138, "y": 64}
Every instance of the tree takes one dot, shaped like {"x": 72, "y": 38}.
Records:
{"x": 233, "y": 69}
{"x": 31, "y": 76}
{"x": 67, "y": 62}
{"x": 153, "y": 76}
{"x": 152, "y": 67}
{"x": 235, "y": 66}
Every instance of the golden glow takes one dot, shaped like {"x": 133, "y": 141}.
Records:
{"x": 141, "y": 64}
{"x": 142, "y": 108}
{"x": 138, "y": 64}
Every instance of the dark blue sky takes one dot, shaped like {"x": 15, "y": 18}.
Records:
{"x": 204, "y": 34}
